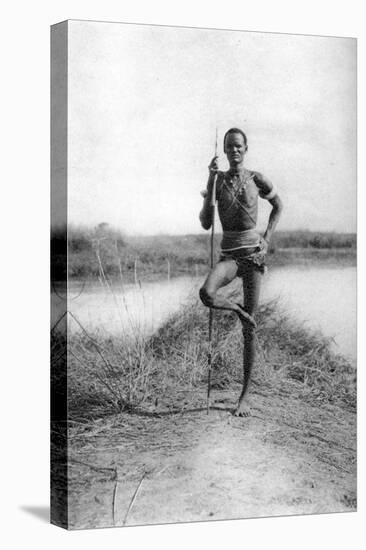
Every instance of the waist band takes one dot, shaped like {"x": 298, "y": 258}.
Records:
{"x": 233, "y": 240}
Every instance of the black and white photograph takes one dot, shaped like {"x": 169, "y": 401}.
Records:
{"x": 203, "y": 274}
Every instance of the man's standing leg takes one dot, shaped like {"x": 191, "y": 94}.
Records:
{"x": 251, "y": 288}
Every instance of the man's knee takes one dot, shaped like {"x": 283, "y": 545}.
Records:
{"x": 206, "y": 296}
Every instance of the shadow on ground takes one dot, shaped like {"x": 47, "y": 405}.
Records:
{"x": 40, "y": 512}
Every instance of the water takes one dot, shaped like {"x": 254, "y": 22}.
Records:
{"x": 322, "y": 298}
{"x": 122, "y": 310}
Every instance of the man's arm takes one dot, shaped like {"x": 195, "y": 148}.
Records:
{"x": 207, "y": 210}
{"x": 268, "y": 192}
{"x": 274, "y": 217}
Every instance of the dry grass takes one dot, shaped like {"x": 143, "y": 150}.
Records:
{"x": 111, "y": 374}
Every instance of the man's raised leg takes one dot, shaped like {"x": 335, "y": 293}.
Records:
{"x": 221, "y": 275}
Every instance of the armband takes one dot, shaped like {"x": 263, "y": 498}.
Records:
{"x": 269, "y": 195}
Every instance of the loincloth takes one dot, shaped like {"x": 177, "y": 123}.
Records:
{"x": 252, "y": 258}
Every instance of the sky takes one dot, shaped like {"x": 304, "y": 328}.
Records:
{"x": 144, "y": 103}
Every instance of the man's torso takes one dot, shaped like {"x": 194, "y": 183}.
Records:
{"x": 237, "y": 199}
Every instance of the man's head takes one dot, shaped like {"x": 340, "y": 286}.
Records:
{"x": 235, "y": 146}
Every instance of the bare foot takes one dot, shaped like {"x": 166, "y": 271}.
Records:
{"x": 243, "y": 408}
{"x": 244, "y": 317}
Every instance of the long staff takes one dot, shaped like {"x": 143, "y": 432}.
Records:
{"x": 210, "y": 319}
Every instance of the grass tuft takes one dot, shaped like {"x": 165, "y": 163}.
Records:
{"x": 110, "y": 374}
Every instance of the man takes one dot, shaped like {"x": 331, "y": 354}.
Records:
{"x": 243, "y": 250}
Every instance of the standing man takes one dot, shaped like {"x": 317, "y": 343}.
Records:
{"x": 243, "y": 250}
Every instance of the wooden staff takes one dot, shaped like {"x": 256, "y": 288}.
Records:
{"x": 210, "y": 318}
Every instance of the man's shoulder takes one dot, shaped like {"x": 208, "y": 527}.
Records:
{"x": 257, "y": 176}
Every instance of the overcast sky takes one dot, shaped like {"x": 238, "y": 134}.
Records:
{"x": 144, "y": 103}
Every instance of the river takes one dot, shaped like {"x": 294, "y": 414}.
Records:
{"x": 322, "y": 298}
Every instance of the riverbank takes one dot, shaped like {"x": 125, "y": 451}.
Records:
{"x": 141, "y": 370}
{"x": 137, "y": 417}
{"x": 137, "y": 269}
{"x": 164, "y": 256}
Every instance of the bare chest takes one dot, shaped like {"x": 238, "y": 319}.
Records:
{"x": 236, "y": 192}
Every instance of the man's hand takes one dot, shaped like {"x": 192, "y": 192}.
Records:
{"x": 261, "y": 254}
{"x": 213, "y": 168}
{"x": 214, "y": 165}
{"x": 264, "y": 246}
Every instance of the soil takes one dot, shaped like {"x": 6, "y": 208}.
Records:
{"x": 179, "y": 464}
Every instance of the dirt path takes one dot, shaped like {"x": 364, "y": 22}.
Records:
{"x": 288, "y": 458}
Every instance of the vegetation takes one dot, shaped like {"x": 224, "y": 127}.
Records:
{"x": 162, "y": 255}
{"x": 116, "y": 373}
{"x": 314, "y": 239}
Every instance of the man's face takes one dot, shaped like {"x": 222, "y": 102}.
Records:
{"x": 235, "y": 149}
